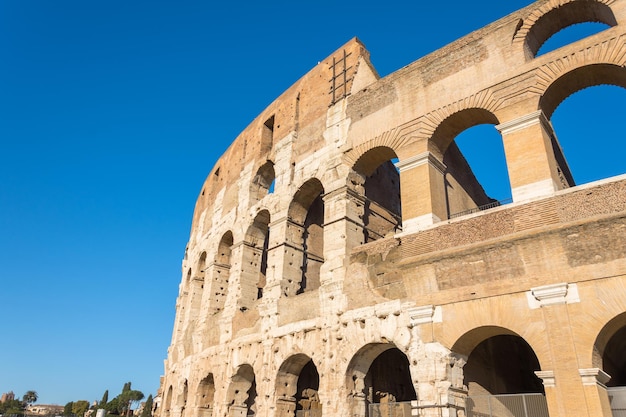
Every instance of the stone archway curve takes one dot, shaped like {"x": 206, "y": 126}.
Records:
{"x": 551, "y": 17}
{"x": 580, "y": 78}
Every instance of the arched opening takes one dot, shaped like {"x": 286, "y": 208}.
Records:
{"x": 263, "y": 182}
{"x": 380, "y": 182}
{"x": 297, "y": 386}
{"x": 469, "y": 145}
{"x": 380, "y": 381}
{"x": 571, "y": 34}
{"x": 482, "y": 148}
{"x": 609, "y": 351}
{"x": 609, "y": 355}
{"x": 242, "y": 392}
{"x": 167, "y": 405}
{"x": 584, "y": 117}
{"x": 254, "y": 267}
{"x": 221, "y": 273}
{"x": 564, "y": 16}
{"x": 500, "y": 371}
{"x": 306, "y": 237}
{"x": 205, "y": 396}
{"x": 196, "y": 286}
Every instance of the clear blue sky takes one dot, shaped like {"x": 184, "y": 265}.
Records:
{"x": 113, "y": 112}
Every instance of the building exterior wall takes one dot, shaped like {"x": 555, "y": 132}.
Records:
{"x": 313, "y": 264}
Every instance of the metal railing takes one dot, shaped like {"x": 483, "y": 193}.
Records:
{"x": 617, "y": 399}
{"x": 481, "y": 208}
{"x": 509, "y": 405}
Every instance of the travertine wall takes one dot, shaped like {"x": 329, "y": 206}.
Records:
{"x": 341, "y": 254}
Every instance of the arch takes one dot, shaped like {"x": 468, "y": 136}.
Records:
{"x": 550, "y": 19}
{"x": 242, "y": 393}
{"x": 297, "y": 385}
{"x": 499, "y": 361}
{"x": 306, "y": 239}
{"x": 378, "y": 374}
{"x": 167, "y": 405}
{"x": 455, "y": 123}
{"x": 205, "y": 396}
{"x": 262, "y": 182}
{"x": 609, "y": 350}
{"x": 462, "y": 191}
{"x": 221, "y": 273}
{"x": 378, "y": 184}
{"x": 570, "y": 35}
{"x": 254, "y": 267}
{"x": 578, "y": 79}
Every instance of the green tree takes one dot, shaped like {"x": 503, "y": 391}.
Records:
{"x": 80, "y": 407}
{"x": 126, "y": 400}
{"x": 30, "y": 397}
{"x": 105, "y": 399}
{"x": 126, "y": 387}
{"x": 147, "y": 407}
{"x": 112, "y": 406}
{"x": 67, "y": 410}
{"x": 12, "y": 407}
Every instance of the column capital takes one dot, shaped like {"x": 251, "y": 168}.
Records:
{"x": 421, "y": 159}
{"x": 593, "y": 376}
{"x": 547, "y": 377}
{"x": 522, "y": 122}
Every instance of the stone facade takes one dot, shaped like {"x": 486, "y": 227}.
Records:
{"x": 342, "y": 263}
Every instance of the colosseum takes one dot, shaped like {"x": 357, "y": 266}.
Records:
{"x": 345, "y": 261}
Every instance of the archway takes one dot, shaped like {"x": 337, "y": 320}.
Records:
{"x": 588, "y": 118}
{"x": 571, "y": 34}
{"x": 167, "y": 404}
{"x": 297, "y": 386}
{"x": 464, "y": 193}
{"x": 380, "y": 380}
{"x": 571, "y": 122}
{"x": 263, "y": 182}
{"x": 306, "y": 240}
{"x": 205, "y": 396}
{"x": 242, "y": 392}
{"x": 254, "y": 266}
{"x": 609, "y": 350}
{"x": 379, "y": 184}
{"x": 500, "y": 371}
{"x": 562, "y": 17}
{"x": 221, "y": 274}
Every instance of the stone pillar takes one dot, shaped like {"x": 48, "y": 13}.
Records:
{"x": 596, "y": 396}
{"x": 535, "y": 162}
{"x": 549, "y": 387}
{"x": 422, "y": 188}
{"x": 440, "y": 390}
{"x": 285, "y": 255}
{"x": 564, "y": 392}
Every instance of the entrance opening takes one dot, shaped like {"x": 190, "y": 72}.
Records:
{"x": 483, "y": 150}
{"x": 382, "y": 212}
{"x": 242, "y": 391}
{"x": 571, "y": 34}
{"x": 588, "y": 124}
{"x": 297, "y": 387}
{"x": 205, "y": 395}
{"x": 380, "y": 381}
{"x": 475, "y": 167}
